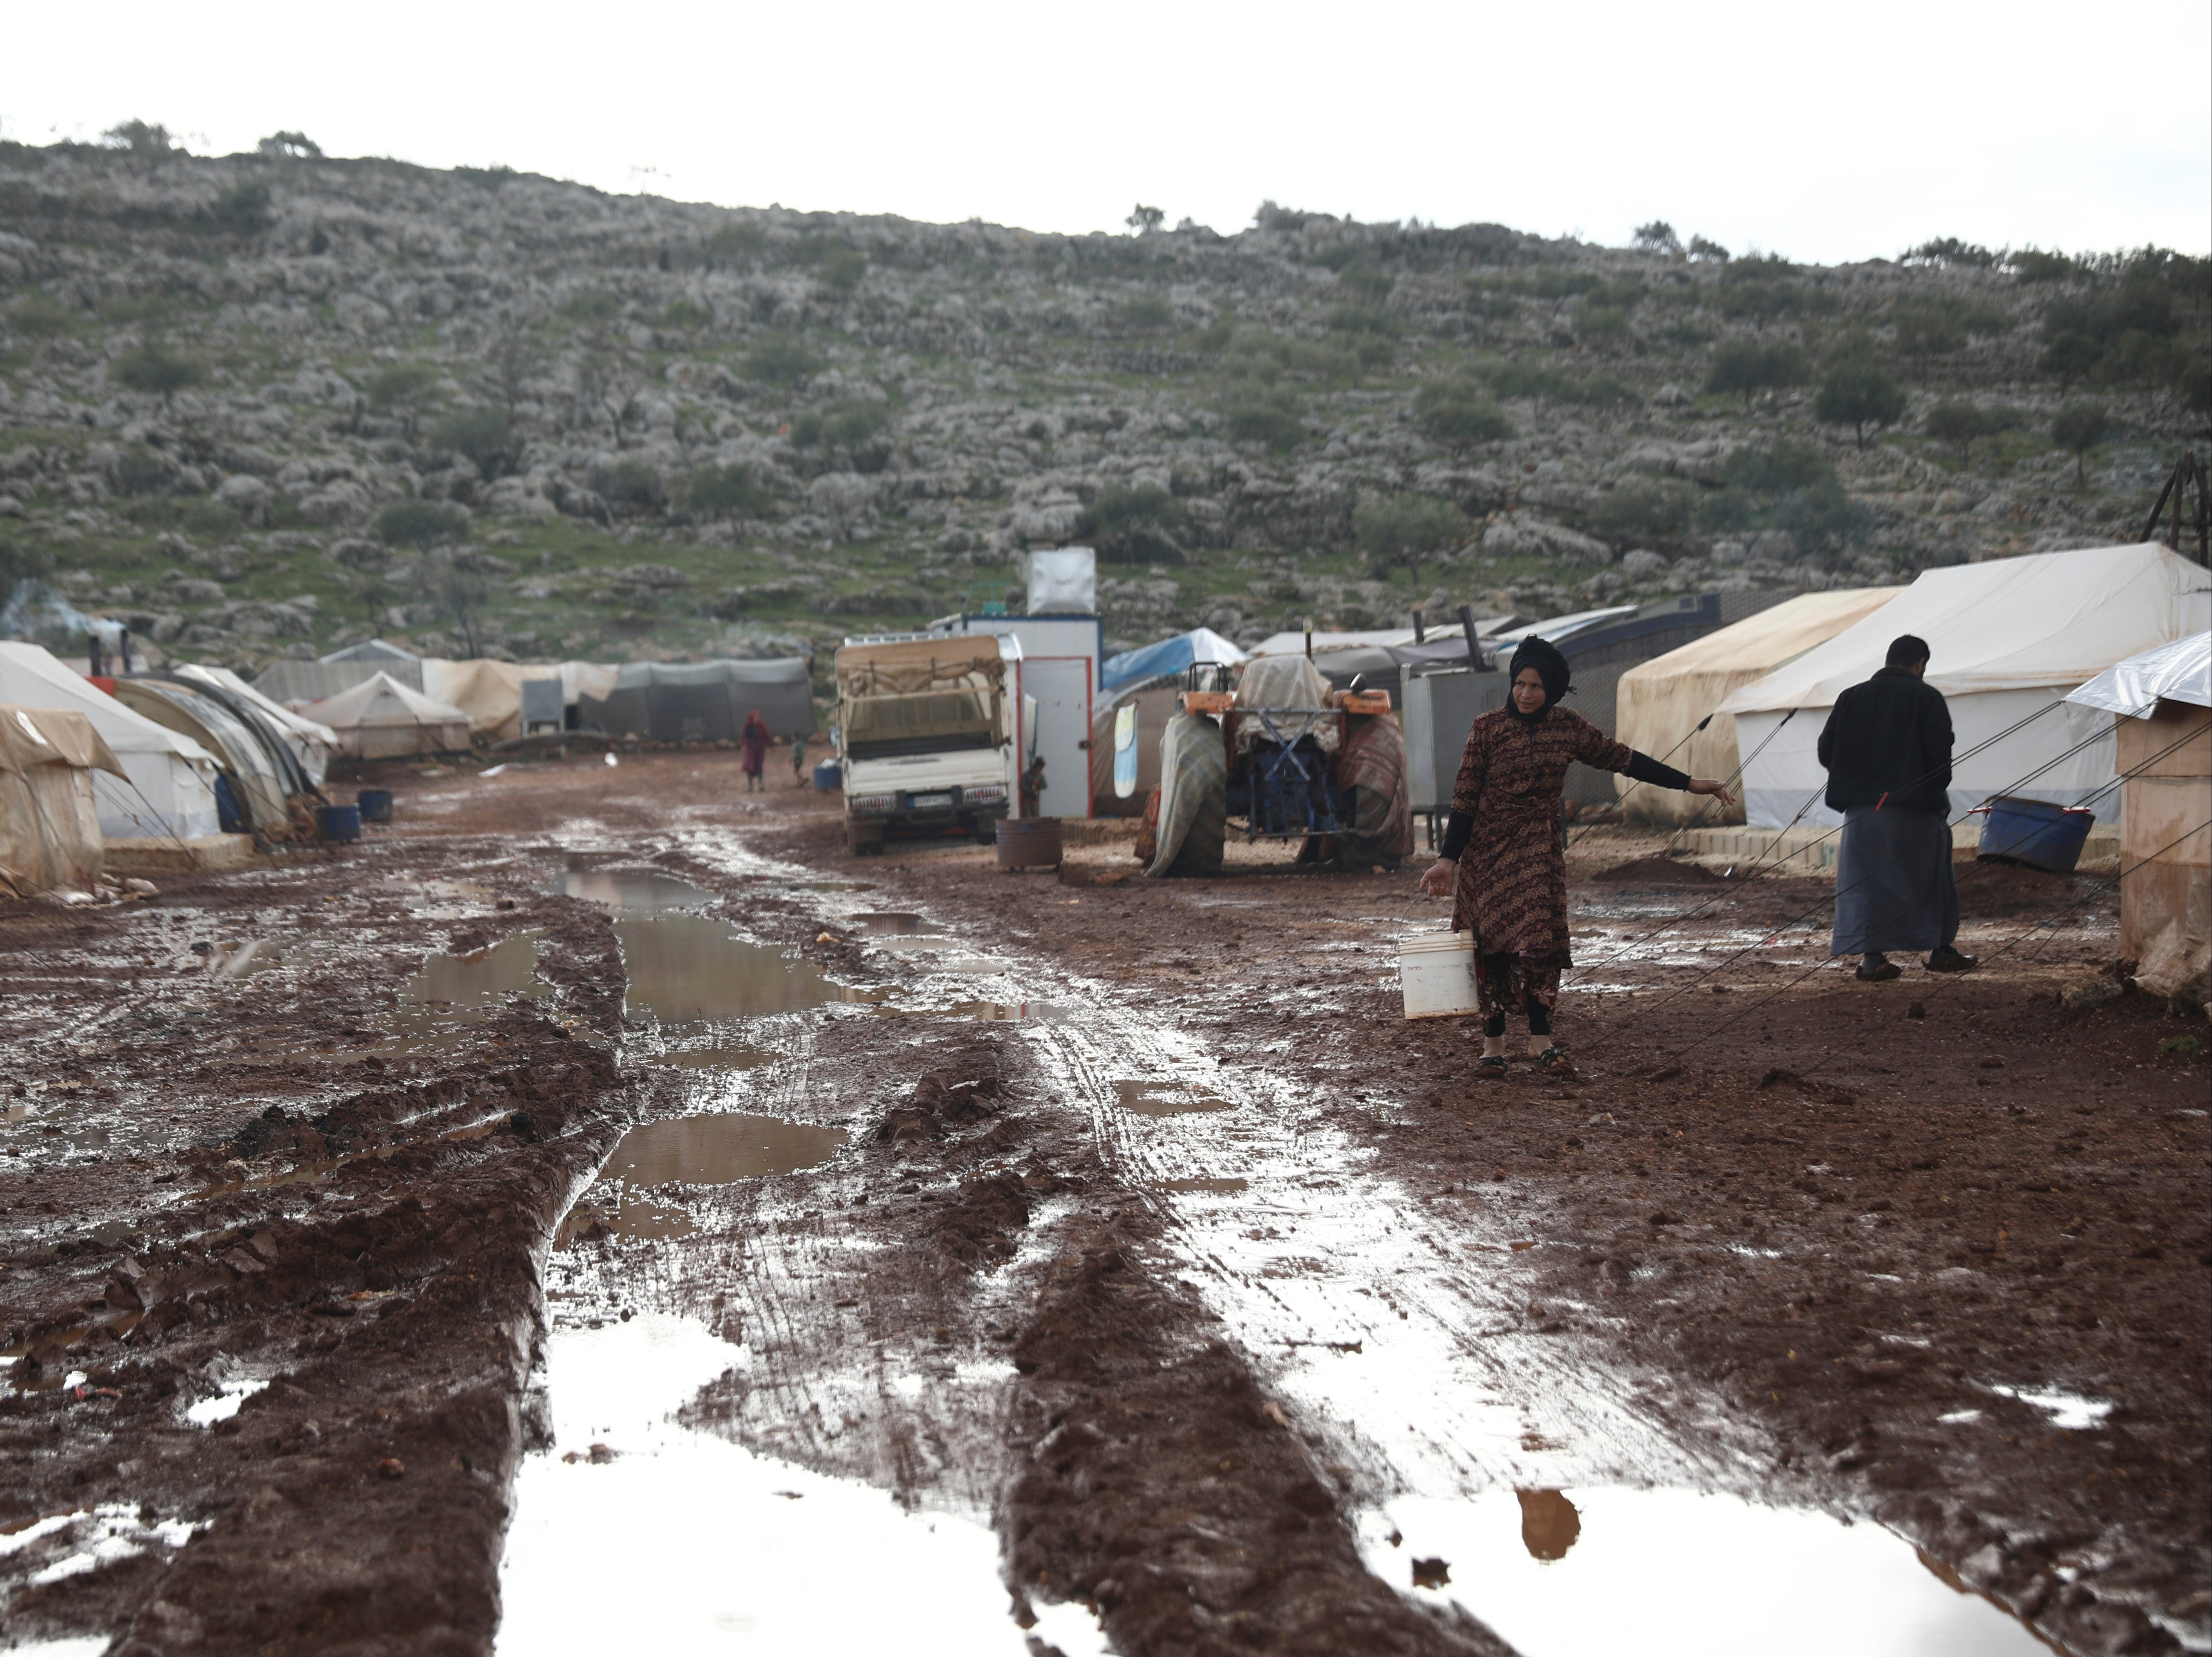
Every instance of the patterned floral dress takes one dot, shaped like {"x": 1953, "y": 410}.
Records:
{"x": 1512, "y": 887}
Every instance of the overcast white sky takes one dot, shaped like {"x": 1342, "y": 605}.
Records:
{"x": 1822, "y": 132}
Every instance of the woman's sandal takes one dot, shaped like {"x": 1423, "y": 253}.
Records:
{"x": 1491, "y": 1067}
{"x": 1554, "y": 1062}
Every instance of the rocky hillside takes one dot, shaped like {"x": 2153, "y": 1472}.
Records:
{"x": 265, "y": 405}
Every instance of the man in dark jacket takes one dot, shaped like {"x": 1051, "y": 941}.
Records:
{"x": 1888, "y": 750}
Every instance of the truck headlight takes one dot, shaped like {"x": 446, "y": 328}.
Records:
{"x": 872, "y": 805}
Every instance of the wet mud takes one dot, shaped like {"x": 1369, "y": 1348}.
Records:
{"x": 287, "y": 1221}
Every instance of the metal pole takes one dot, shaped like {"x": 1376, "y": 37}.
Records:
{"x": 1310, "y": 638}
{"x": 1421, "y": 633}
{"x": 1467, "y": 625}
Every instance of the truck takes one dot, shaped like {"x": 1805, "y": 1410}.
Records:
{"x": 929, "y": 733}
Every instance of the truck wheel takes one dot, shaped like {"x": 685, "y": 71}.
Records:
{"x": 1209, "y": 826}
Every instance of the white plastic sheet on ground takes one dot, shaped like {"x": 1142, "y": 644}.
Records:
{"x": 2007, "y": 639}
{"x": 685, "y": 1543}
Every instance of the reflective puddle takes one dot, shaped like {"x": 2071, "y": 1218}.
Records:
{"x": 452, "y": 992}
{"x": 633, "y": 891}
{"x": 1213, "y": 1187}
{"x": 635, "y": 1533}
{"x": 1009, "y": 1012}
{"x": 893, "y": 924}
{"x": 1676, "y": 1573}
{"x": 718, "y": 1150}
{"x": 1168, "y": 1098}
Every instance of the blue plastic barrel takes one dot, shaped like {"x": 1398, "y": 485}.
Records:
{"x": 2034, "y": 832}
{"x": 829, "y": 774}
{"x": 375, "y": 804}
{"x": 339, "y": 822}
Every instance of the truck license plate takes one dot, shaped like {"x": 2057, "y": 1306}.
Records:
{"x": 928, "y": 801}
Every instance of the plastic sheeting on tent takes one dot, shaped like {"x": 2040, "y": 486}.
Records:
{"x": 375, "y": 652}
{"x": 50, "y": 837}
{"x": 311, "y": 745}
{"x": 256, "y": 783}
{"x": 2007, "y": 640}
{"x": 2179, "y": 672}
{"x": 704, "y": 702}
{"x": 1659, "y": 702}
{"x": 488, "y": 692}
{"x": 1201, "y": 644}
{"x": 1282, "y": 682}
{"x": 2163, "y": 699}
{"x": 1294, "y": 643}
{"x": 167, "y": 791}
{"x": 383, "y": 719}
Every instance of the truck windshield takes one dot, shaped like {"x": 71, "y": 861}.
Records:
{"x": 934, "y": 722}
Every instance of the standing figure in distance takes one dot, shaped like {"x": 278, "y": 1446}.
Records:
{"x": 1886, "y": 747}
{"x": 799, "y": 760}
{"x": 1503, "y": 862}
{"x": 752, "y": 742}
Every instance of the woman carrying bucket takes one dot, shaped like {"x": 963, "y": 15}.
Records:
{"x": 753, "y": 745}
{"x": 1502, "y": 860}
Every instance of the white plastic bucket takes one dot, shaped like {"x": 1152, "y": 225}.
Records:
{"x": 1434, "y": 976}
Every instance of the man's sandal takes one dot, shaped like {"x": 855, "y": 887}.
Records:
{"x": 1491, "y": 1067}
{"x": 1554, "y": 1062}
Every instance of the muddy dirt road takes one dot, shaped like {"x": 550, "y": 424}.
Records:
{"x": 595, "y": 1211}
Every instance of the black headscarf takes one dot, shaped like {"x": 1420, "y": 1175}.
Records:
{"x": 1544, "y": 656}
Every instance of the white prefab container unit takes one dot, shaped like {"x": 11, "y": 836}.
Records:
{"x": 1056, "y": 674}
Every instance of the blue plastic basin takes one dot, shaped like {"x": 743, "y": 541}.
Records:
{"x": 2034, "y": 832}
{"x": 827, "y": 775}
{"x": 375, "y": 804}
{"x": 339, "y": 822}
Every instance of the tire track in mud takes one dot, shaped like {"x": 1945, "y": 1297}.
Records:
{"x": 1397, "y": 1328}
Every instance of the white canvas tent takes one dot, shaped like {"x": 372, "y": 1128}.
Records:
{"x": 1659, "y": 702}
{"x": 2007, "y": 640}
{"x": 50, "y": 839}
{"x": 167, "y": 791}
{"x": 382, "y": 719}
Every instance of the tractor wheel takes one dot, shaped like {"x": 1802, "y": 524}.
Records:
{"x": 1209, "y": 826}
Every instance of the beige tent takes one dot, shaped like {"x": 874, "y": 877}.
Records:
{"x": 49, "y": 821}
{"x": 382, "y": 719}
{"x": 1661, "y": 701}
{"x": 489, "y": 693}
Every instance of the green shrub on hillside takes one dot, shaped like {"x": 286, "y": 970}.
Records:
{"x": 487, "y": 436}
{"x": 243, "y": 211}
{"x": 1777, "y": 469}
{"x": 1278, "y": 421}
{"x": 421, "y": 524}
{"x": 2077, "y": 428}
{"x": 1404, "y": 531}
{"x": 1458, "y": 414}
{"x": 154, "y": 370}
{"x": 735, "y": 244}
{"x": 843, "y": 425}
{"x": 1646, "y": 513}
{"x": 1749, "y": 366}
{"x": 727, "y": 491}
{"x": 1146, "y": 313}
{"x": 41, "y": 315}
{"x": 1962, "y": 424}
{"x": 780, "y": 360}
{"x": 1861, "y": 396}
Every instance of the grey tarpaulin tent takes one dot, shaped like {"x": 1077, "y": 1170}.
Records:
{"x": 703, "y": 701}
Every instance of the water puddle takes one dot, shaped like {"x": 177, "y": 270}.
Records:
{"x": 893, "y": 925}
{"x": 1212, "y": 1188}
{"x": 632, "y": 891}
{"x": 687, "y": 970}
{"x": 1593, "y": 1573}
{"x": 451, "y": 992}
{"x": 1168, "y": 1098}
{"x": 697, "y": 1544}
{"x": 719, "y": 1149}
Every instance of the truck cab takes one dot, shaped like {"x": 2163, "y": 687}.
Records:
{"x": 929, "y": 734}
